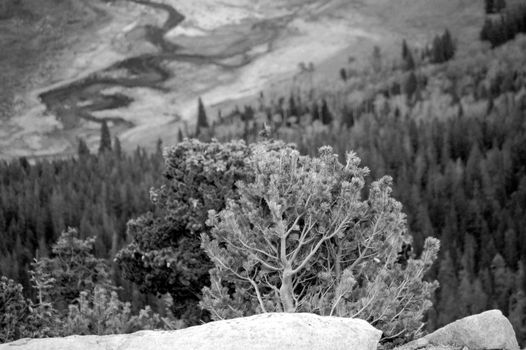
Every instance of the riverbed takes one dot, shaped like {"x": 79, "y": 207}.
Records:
{"x": 144, "y": 71}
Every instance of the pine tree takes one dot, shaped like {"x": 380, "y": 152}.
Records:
{"x": 164, "y": 255}
{"x": 71, "y": 269}
{"x": 105, "y": 138}
{"x": 465, "y": 291}
{"x": 75, "y": 295}
{"x": 202, "y": 121}
{"x": 405, "y": 50}
{"x": 293, "y": 108}
{"x": 410, "y": 61}
{"x": 411, "y": 85}
{"x": 14, "y": 311}
{"x": 447, "y": 307}
{"x": 315, "y": 111}
{"x": 407, "y": 57}
{"x": 502, "y": 282}
{"x": 82, "y": 149}
{"x": 517, "y": 313}
{"x": 479, "y": 301}
{"x": 448, "y": 46}
{"x": 326, "y": 116}
{"x": 290, "y": 243}
{"x": 343, "y": 74}
{"x": 180, "y": 136}
{"x": 347, "y": 116}
{"x": 376, "y": 59}
{"x": 117, "y": 147}
{"x": 438, "y": 50}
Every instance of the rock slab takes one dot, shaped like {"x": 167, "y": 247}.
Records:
{"x": 486, "y": 331}
{"x": 273, "y": 331}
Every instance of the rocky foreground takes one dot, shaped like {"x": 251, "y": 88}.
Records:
{"x": 486, "y": 331}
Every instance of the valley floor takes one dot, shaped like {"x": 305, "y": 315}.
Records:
{"x": 263, "y": 44}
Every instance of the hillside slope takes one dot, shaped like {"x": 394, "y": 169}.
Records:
{"x": 225, "y": 51}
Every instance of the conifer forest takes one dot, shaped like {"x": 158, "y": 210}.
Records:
{"x": 421, "y": 144}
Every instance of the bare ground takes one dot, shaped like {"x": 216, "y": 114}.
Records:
{"x": 276, "y": 37}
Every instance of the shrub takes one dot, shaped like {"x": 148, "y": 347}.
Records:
{"x": 18, "y": 317}
{"x": 72, "y": 269}
{"x": 14, "y": 311}
{"x": 101, "y": 312}
{"x": 300, "y": 238}
{"x": 76, "y": 297}
{"x": 164, "y": 255}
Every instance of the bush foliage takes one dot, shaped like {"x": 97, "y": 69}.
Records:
{"x": 75, "y": 296}
{"x": 164, "y": 255}
{"x": 14, "y": 311}
{"x": 300, "y": 238}
{"x": 72, "y": 269}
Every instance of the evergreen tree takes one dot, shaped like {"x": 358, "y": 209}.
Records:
{"x": 293, "y": 108}
{"x": 96, "y": 309}
{"x": 159, "y": 148}
{"x": 164, "y": 255}
{"x": 343, "y": 74}
{"x": 14, "y": 311}
{"x": 376, "y": 59}
{"x": 71, "y": 269}
{"x": 465, "y": 290}
{"x": 202, "y": 121}
{"x": 347, "y": 117}
{"x": 479, "y": 301}
{"x": 326, "y": 115}
{"x": 315, "y": 111}
{"x": 437, "y": 51}
{"x": 410, "y": 61}
{"x": 448, "y": 46}
{"x": 517, "y": 313}
{"x": 315, "y": 258}
{"x": 411, "y": 85}
{"x": 117, "y": 147}
{"x": 105, "y": 138}
{"x": 407, "y": 57}
{"x": 405, "y": 50}
{"x": 180, "y": 136}
{"x": 448, "y": 309}
{"x": 502, "y": 282}
{"x": 82, "y": 149}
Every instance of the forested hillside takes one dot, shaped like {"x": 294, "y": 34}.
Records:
{"x": 449, "y": 129}
{"x": 96, "y": 193}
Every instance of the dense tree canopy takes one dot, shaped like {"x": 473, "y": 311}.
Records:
{"x": 97, "y": 194}
{"x": 164, "y": 255}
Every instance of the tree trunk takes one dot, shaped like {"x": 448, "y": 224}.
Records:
{"x": 285, "y": 292}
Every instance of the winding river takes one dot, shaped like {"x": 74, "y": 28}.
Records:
{"x": 81, "y": 98}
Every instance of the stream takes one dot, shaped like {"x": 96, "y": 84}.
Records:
{"x": 81, "y": 98}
